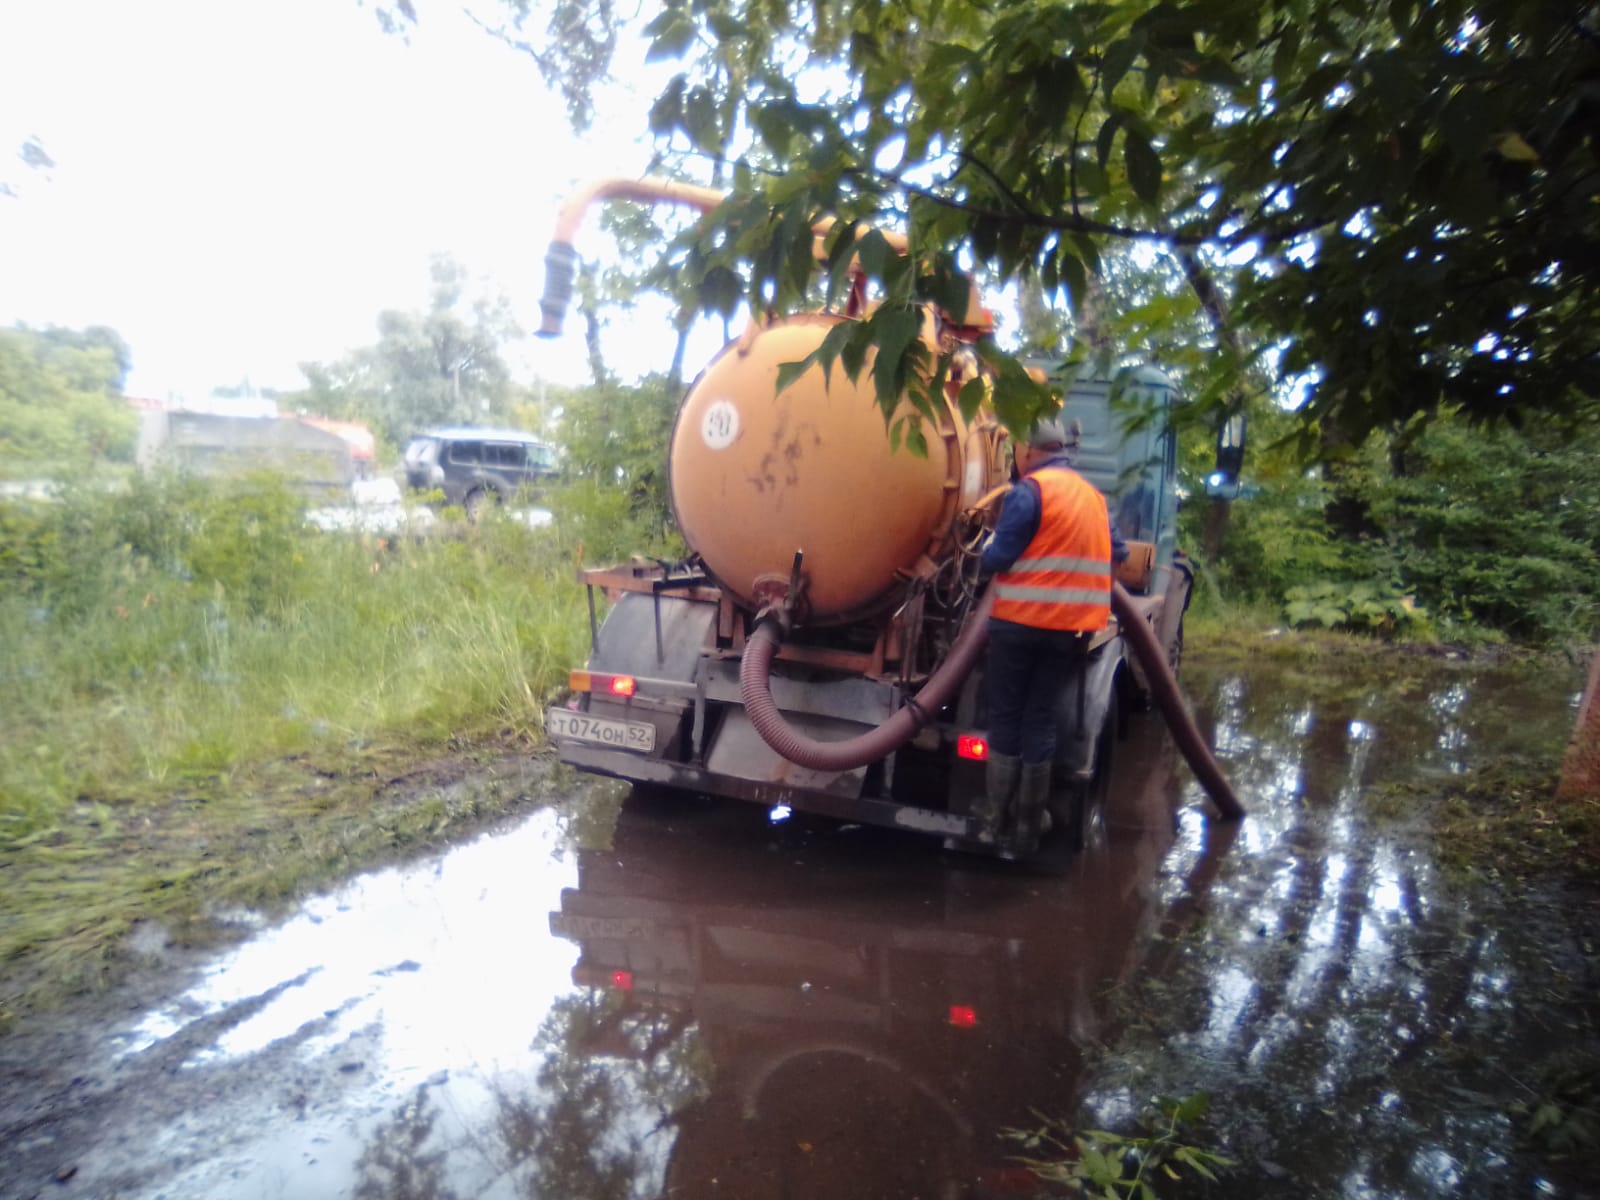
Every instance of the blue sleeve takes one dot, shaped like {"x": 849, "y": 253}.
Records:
{"x": 1119, "y": 547}
{"x": 1019, "y": 522}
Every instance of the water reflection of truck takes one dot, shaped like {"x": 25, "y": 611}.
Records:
{"x": 870, "y": 1020}
{"x": 821, "y": 647}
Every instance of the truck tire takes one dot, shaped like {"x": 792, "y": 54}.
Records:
{"x": 1081, "y": 815}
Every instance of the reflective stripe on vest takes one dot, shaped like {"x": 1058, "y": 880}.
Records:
{"x": 1063, "y": 578}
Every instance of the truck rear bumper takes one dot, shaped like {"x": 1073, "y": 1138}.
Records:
{"x": 638, "y": 769}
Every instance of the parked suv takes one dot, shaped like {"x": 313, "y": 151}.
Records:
{"x": 474, "y": 467}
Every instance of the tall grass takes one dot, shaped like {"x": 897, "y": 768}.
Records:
{"x": 172, "y": 632}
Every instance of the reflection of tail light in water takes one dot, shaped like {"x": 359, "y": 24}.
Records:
{"x": 871, "y": 1021}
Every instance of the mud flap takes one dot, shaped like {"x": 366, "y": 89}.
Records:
{"x": 1084, "y": 747}
{"x": 1076, "y": 735}
{"x": 628, "y": 644}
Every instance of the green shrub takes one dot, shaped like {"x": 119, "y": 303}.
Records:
{"x": 1363, "y": 607}
{"x": 1500, "y": 528}
{"x": 1492, "y": 532}
{"x": 615, "y": 501}
{"x": 183, "y": 627}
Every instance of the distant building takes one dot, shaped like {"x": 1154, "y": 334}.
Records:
{"x": 213, "y": 444}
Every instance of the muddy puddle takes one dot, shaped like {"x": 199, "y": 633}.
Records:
{"x": 689, "y": 1000}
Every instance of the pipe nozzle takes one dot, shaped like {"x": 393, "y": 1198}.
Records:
{"x": 560, "y": 271}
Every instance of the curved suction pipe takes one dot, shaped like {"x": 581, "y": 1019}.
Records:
{"x": 1164, "y": 689}
{"x": 561, "y": 260}
{"x": 756, "y": 666}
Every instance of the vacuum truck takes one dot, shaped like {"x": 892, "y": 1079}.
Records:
{"x": 820, "y": 649}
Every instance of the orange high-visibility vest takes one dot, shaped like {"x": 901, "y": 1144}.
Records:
{"x": 1063, "y": 579}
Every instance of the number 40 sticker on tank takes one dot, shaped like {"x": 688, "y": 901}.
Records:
{"x": 719, "y": 427}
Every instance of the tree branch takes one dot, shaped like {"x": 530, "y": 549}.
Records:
{"x": 1077, "y": 223}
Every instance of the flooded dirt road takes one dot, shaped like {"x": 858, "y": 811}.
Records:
{"x": 688, "y": 1000}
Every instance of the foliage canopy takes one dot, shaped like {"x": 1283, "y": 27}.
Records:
{"x": 60, "y": 398}
{"x": 442, "y": 365}
{"x": 1395, "y": 202}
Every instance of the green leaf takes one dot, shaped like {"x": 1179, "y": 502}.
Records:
{"x": 671, "y": 33}
{"x": 973, "y": 393}
{"x": 700, "y": 119}
{"x": 1465, "y": 123}
{"x": 893, "y": 331}
{"x": 875, "y": 252}
{"x": 790, "y": 371}
{"x": 1071, "y": 272}
{"x": 1513, "y": 148}
{"x": 1283, "y": 57}
{"x": 1193, "y": 1107}
{"x": 1106, "y": 136}
{"x": 833, "y": 347}
{"x": 1144, "y": 167}
{"x": 1091, "y": 177}
{"x": 1391, "y": 81}
{"x": 1118, "y": 58}
{"x": 725, "y": 25}
{"x": 841, "y": 253}
{"x": 853, "y": 353}
{"x": 719, "y": 290}
{"x": 666, "y": 114}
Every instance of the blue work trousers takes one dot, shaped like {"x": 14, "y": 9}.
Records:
{"x": 1030, "y": 671}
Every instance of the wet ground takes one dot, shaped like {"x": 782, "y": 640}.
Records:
{"x": 687, "y": 1000}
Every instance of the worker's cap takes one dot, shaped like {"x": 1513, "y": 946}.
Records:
{"x": 1052, "y": 433}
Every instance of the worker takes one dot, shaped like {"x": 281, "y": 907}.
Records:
{"x": 1051, "y": 558}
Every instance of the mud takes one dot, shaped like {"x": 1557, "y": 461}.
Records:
{"x": 682, "y": 998}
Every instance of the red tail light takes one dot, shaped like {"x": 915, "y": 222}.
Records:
{"x": 970, "y": 745}
{"x": 617, "y": 685}
{"x": 963, "y": 1017}
{"x": 622, "y": 980}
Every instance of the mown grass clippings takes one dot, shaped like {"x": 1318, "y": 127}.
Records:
{"x": 1245, "y": 633}
{"x": 255, "y": 842}
{"x": 1501, "y": 819}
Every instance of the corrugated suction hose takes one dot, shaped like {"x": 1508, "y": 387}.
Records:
{"x": 756, "y": 666}
{"x": 1152, "y": 657}
{"x": 755, "y": 670}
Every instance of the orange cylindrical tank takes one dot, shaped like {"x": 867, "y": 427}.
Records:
{"x": 758, "y": 474}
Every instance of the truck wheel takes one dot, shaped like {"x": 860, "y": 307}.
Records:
{"x": 1085, "y": 823}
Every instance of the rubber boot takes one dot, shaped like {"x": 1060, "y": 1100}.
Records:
{"x": 1000, "y": 775}
{"x": 1033, "y": 795}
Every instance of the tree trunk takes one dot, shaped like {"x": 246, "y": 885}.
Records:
{"x": 1216, "y": 528}
{"x": 1580, "y": 772}
{"x": 675, "y": 371}
{"x": 1205, "y": 288}
{"x": 591, "y": 341}
{"x": 1090, "y": 312}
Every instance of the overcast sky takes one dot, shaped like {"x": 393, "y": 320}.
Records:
{"x": 240, "y": 187}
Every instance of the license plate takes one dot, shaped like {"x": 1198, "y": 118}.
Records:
{"x": 620, "y": 929}
{"x": 581, "y": 727}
